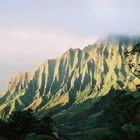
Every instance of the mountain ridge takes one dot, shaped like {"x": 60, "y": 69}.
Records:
{"x": 74, "y": 77}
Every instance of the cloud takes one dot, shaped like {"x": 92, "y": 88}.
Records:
{"x": 40, "y": 42}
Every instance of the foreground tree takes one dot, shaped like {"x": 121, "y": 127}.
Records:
{"x": 132, "y": 60}
{"x": 21, "y": 123}
{"x": 44, "y": 125}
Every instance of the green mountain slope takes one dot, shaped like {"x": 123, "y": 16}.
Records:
{"x": 73, "y": 82}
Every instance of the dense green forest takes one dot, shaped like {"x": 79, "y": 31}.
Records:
{"x": 119, "y": 120}
{"x": 20, "y": 124}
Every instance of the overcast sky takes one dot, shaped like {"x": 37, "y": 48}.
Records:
{"x": 32, "y": 31}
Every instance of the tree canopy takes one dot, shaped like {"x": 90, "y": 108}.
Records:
{"x": 21, "y": 123}
{"x": 132, "y": 60}
{"x": 123, "y": 109}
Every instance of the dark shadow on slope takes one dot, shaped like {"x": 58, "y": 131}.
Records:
{"x": 95, "y": 108}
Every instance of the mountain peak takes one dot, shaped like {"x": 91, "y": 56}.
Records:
{"x": 72, "y": 78}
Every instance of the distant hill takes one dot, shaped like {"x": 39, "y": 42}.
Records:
{"x": 74, "y": 80}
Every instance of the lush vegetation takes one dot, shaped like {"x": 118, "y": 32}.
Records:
{"x": 123, "y": 109}
{"x": 132, "y": 63}
{"x": 20, "y": 124}
{"x": 119, "y": 120}
{"x": 123, "y": 114}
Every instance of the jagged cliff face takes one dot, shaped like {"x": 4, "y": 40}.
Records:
{"x": 73, "y": 78}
